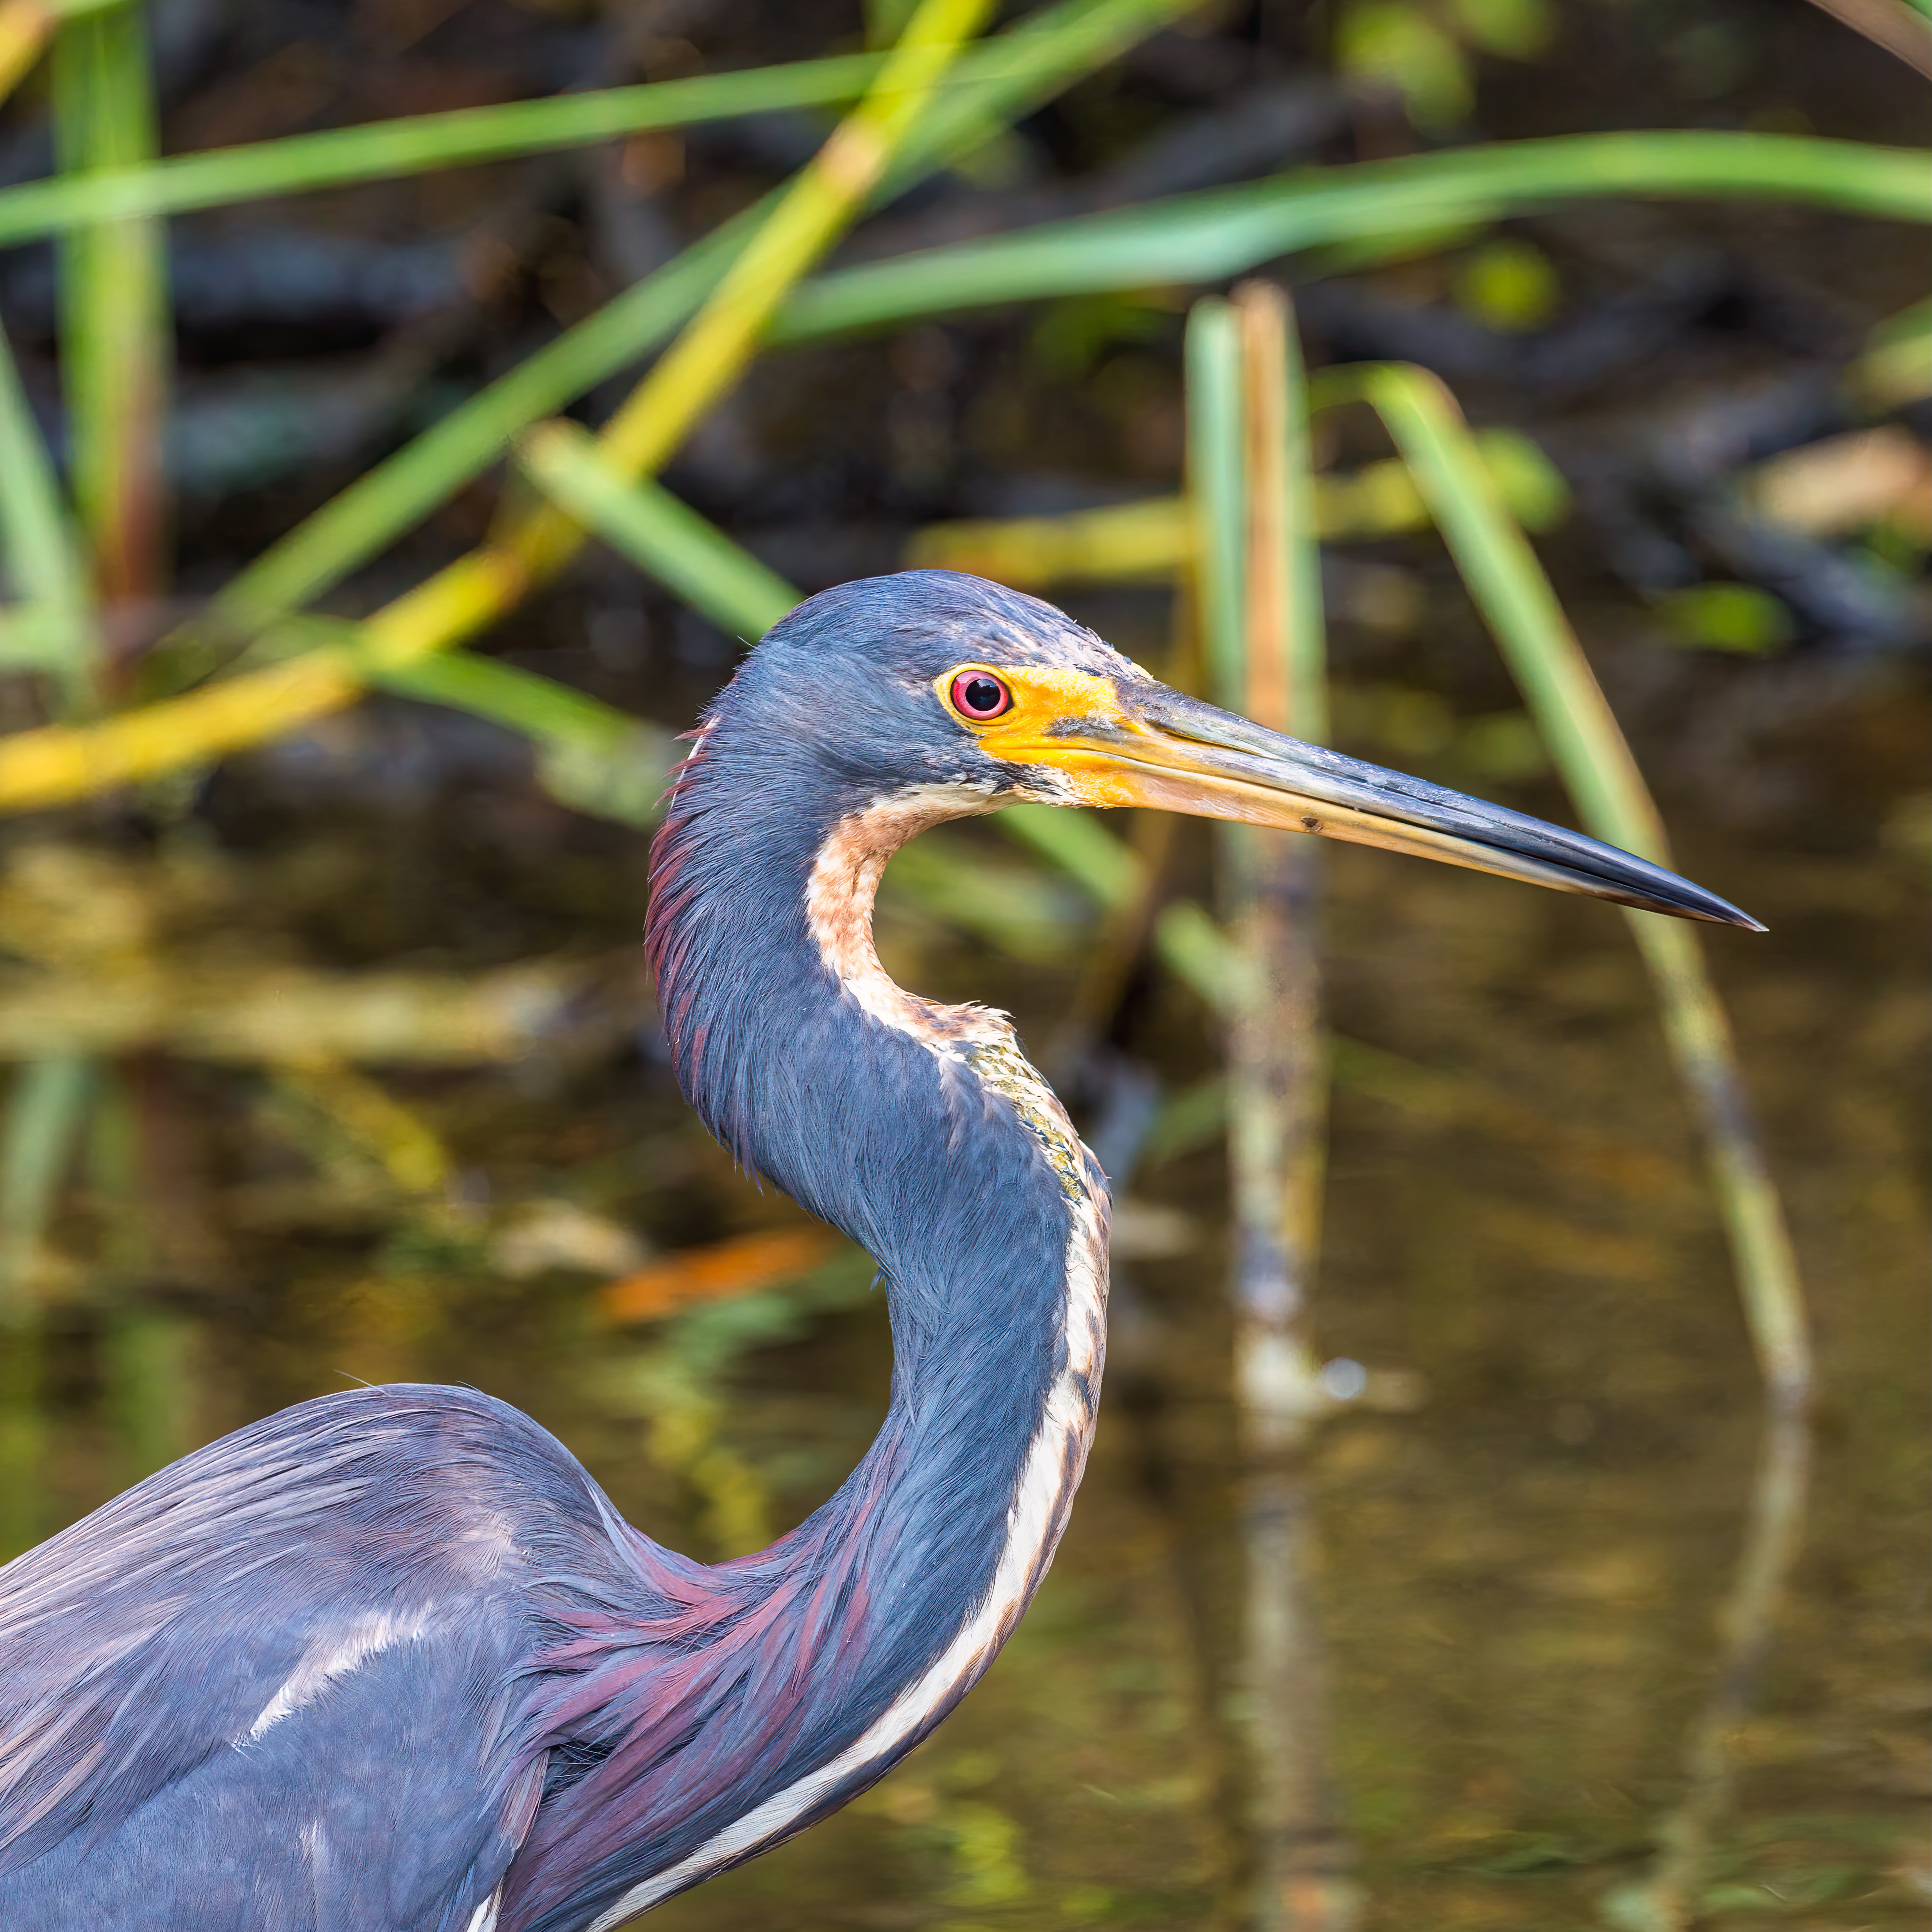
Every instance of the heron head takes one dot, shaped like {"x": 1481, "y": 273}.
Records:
{"x": 934, "y": 683}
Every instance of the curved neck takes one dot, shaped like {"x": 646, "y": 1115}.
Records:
{"x": 918, "y": 1129}
{"x": 921, "y": 1131}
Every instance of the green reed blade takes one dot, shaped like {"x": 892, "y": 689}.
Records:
{"x": 1594, "y": 758}
{"x": 663, "y": 538}
{"x": 1270, "y": 885}
{"x": 589, "y": 754}
{"x": 1216, "y": 495}
{"x": 1306, "y": 646}
{"x": 1003, "y": 79}
{"x": 1205, "y": 237}
{"x": 116, "y": 340}
{"x": 54, "y": 632}
{"x": 524, "y": 700}
{"x": 1277, "y": 1105}
{"x": 418, "y": 144}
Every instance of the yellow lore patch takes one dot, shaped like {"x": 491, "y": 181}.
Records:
{"x": 1042, "y": 726}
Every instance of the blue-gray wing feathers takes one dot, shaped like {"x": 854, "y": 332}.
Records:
{"x": 286, "y": 1671}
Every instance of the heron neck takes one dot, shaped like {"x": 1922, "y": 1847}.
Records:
{"x": 921, "y": 1131}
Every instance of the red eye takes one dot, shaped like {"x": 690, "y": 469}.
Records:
{"x": 979, "y": 695}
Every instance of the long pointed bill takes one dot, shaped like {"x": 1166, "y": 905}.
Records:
{"x": 1141, "y": 744}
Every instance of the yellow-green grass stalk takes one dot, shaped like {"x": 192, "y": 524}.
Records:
{"x": 56, "y": 764}
{"x": 51, "y": 628}
{"x": 664, "y": 537}
{"x": 116, "y": 338}
{"x": 1590, "y": 751}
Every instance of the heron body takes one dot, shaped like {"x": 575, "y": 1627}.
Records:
{"x": 390, "y": 1661}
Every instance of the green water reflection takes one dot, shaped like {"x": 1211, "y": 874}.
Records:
{"x": 1518, "y": 1577}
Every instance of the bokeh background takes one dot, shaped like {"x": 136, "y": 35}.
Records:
{"x": 1520, "y": 1554}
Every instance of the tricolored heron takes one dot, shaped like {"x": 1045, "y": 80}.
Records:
{"x": 389, "y": 1660}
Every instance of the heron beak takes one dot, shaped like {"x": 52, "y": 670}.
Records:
{"x": 1152, "y": 746}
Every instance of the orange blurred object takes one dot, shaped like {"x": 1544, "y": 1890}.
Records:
{"x": 740, "y": 1266}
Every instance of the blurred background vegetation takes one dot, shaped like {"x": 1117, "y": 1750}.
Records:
{"x": 329, "y": 746}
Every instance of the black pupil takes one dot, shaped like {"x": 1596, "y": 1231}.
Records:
{"x": 982, "y": 695}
